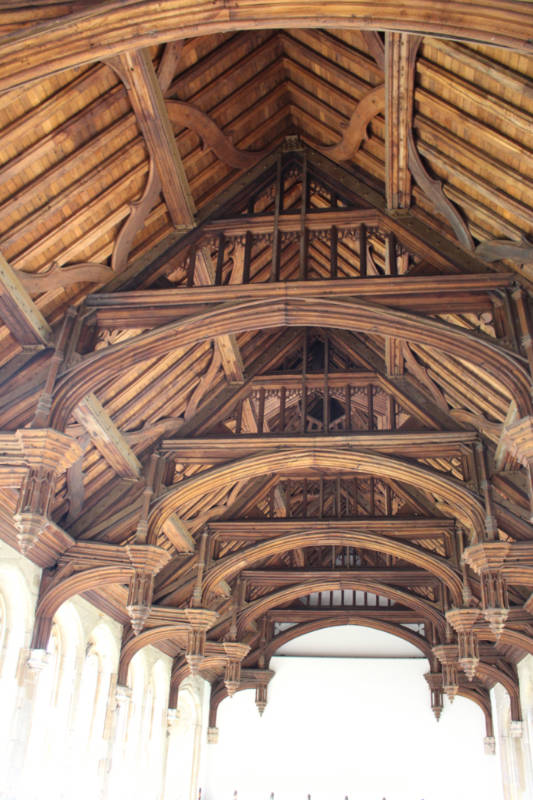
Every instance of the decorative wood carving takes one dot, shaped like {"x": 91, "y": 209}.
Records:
{"x": 57, "y": 277}
{"x": 186, "y": 115}
{"x": 138, "y": 214}
{"x": 371, "y": 104}
{"x": 432, "y": 188}
{"x": 463, "y": 620}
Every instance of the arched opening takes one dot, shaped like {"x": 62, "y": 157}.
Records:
{"x": 348, "y": 711}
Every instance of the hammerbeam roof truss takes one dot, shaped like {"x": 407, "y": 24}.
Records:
{"x": 266, "y": 354}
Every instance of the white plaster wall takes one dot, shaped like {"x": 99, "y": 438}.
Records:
{"x": 360, "y": 728}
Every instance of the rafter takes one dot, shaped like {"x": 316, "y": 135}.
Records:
{"x": 148, "y": 104}
{"x": 400, "y": 55}
{"x": 19, "y": 313}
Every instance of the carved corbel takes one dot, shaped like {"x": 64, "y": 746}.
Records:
{"x": 487, "y": 560}
{"x": 200, "y": 621}
{"x": 447, "y": 655}
{"x": 434, "y": 681}
{"x": 463, "y": 621}
{"x": 47, "y": 453}
{"x": 260, "y": 678}
{"x": 235, "y": 652}
{"x": 146, "y": 561}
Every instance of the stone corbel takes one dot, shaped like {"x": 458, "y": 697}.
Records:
{"x": 448, "y": 654}
{"x": 47, "y": 454}
{"x": 235, "y": 652}
{"x": 146, "y": 561}
{"x": 463, "y": 621}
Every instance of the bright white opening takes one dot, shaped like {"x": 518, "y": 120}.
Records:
{"x": 360, "y": 728}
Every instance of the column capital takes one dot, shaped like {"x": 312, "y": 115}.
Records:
{"x": 212, "y": 736}
{"x": 37, "y": 659}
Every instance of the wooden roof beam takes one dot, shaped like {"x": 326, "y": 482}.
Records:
{"x": 19, "y": 312}
{"x": 257, "y": 530}
{"x": 400, "y": 55}
{"x": 288, "y": 577}
{"x": 147, "y": 100}
{"x": 106, "y": 437}
{"x": 227, "y": 345}
{"x": 399, "y": 616}
{"x": 431, "y": 294}
{"x": 413, "y": 444}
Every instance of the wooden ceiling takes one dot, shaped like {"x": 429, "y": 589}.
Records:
{"x": 295, "y": 257}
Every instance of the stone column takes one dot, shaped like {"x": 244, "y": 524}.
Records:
{"x": 23, "y": 718}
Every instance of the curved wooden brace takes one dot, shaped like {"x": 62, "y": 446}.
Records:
{"x": 58, "y": 593}
{"x": 508, "y": 637}
{"x": 185, "y": 115}
{"x": 432, "y": 188}
{"x": 496, "y": 249}
{"x": 139, "y": 211}
{"x": 265, "y": 603}
{"x": 483, "y": 701}
{"x": 181, "y": 670}
{"x": 152, "y": 636}
{"x": 367, "y": 108}
{"x": 492, "y": 673}
{"x": 372, "y": 463}
{"x": 110, "y": 27}
{"x": 96, "y": 368}
{"x": 57, "y": 277}
{"x": 227, "y": 567}
{"x": 353, "y": 619}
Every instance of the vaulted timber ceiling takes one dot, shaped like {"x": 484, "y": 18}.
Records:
{"x": 266, "y": 305}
